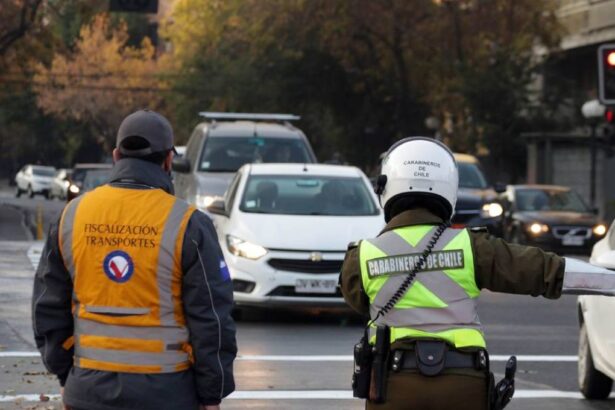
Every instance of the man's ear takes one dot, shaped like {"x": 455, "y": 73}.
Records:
{"x": 116, "y": 155}
{"x": 168, "y": 161}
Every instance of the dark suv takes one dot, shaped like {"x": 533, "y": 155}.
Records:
{"x": 477, "y": 201}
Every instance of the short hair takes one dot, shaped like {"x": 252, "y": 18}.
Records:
{"x": 137, "y": 143}
{"x": 407, "y": 201}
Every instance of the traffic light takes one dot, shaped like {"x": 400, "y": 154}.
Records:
{"x": 609, "y": 115}
{"x": 606, "y": 74}
{"x": 607, "y": 132}
{"x": 134, "y": 6}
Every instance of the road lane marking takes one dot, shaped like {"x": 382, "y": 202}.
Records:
{"x": 348, "y": 358}
{"x": 295, "y": 358}
{"x": 34, "y": 254}
{"x": 20, "y": 354}
{"x": 535, "y": 358}
{"x": 319, "y": 395}
{"x": 342, "y": 358}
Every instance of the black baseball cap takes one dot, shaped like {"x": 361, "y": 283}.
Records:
{"x": 151, "y": 127}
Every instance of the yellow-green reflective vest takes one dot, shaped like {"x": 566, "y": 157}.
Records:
{"x": 440, "y": 303}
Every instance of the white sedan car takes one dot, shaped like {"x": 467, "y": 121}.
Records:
{"x": 34, "y": 179}
{"x": 284, "y": 230}
{"x": 597, "y": 334}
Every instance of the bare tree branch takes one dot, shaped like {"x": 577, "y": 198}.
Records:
{"x": 27, "y": 17}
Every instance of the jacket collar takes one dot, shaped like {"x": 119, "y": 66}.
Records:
{"x": 138, "y": 172}
{"x": 418, "y": 216}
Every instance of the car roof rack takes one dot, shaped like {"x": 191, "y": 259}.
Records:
{"x": 248, "y": 116}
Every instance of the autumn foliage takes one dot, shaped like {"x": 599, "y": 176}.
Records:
{"x": 102, "y": 80}
{"x": 361, "y": 73}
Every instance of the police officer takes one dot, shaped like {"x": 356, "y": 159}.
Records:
{"x": 132, "y": 298}
{"x": 419, "y": 281}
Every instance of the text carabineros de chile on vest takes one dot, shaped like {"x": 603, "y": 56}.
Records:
{"x": 440, "y": 260}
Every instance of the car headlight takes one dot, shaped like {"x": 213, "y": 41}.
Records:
{"x": 599, "y": 230}
{"x": 492, "y": 210}
{"x": 74, "y": 189}
{"x": 203, "y": 201}
{"x": 537, "y": 228}
{"x": 245, "y": 249}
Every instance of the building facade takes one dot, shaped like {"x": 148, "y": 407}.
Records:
{"x": 563, "y": 157}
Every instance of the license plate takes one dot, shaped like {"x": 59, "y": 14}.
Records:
{"x": 573, "y": 241}
{"x": 315, "y": 285}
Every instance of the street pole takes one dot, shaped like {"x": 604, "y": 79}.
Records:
{"x": 592, "y": 110}
{"x": 592, "y": 169}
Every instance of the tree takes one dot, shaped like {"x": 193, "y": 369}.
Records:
{"x": 101, "y": 81}
{"x": 16, "y": 18}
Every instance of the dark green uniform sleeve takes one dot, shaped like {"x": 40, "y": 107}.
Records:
{"x": 351, "y": 284}
{"x": 509, "y": 268}
{"x": 207, "y": 294}
{"x": 52, "y": 319}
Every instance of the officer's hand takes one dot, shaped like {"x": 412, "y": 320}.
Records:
{"x": 210, "y": 407}
{"x": 66, "y": 407}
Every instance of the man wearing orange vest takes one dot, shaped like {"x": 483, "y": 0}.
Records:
{"x": 132, "y": 298}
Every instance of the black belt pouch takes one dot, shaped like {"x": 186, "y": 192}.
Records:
{"x": 430, "y": 357}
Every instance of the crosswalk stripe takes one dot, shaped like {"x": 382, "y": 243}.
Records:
{"x": 318, "y": 395}
{"x": 34, "y": 254}
{"x": 342, "y": 358}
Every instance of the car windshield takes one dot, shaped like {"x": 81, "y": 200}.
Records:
{"x": 228, "y": 154}
{"x": 470, "y": 176}
{"x": 95, "y": 178}
{"x": 307, "y": 195}
{"x": 78, "y": 174}
{"x": 549, "y": 200}
{"x": 43, "y": 172}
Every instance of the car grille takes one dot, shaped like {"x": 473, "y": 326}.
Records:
{"x": 574, "y": 231}
{"x": 290, "y": 291}
{"x": 306, "y": 265}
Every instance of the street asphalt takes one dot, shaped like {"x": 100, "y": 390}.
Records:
{"x": 295, "y": 359}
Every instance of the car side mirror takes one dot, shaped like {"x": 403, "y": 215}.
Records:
{"x": 605, "y": 260}
{"x": 217, "y": 207}
{"x": 181, "y": 165}
{"x": 499, "y": 187}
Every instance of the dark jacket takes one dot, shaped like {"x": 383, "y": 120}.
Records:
{"x": 207, "y": 295}
{"x": 498, "y": 265}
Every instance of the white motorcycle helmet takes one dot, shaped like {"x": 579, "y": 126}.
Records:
{"x": 420, "y": 169}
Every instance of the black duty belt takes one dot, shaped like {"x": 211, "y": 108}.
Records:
{"x": 431, "y": 357}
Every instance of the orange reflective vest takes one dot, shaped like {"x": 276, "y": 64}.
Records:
{"x": 122, "y": 248}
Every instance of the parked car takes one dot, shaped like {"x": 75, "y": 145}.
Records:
{"x": 477, "y": 201}
{"x": 284, "y": 230}
{"x": 596, "y": 365}
{"x": 552, "y": 217}
{"x": 34, "y": 180}
{"x": 78, "y": 176}
{"x": 219, "y": 146}
{"x": 60, "y": 184}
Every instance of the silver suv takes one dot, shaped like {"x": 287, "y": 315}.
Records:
{"x": 219, "y": 146}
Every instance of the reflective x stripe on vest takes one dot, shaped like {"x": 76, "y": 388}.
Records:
{"x": 441, "y": 301}
{"x": 128, "y": 316}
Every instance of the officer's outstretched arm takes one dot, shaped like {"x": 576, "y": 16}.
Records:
{"x": 582, "y": 278}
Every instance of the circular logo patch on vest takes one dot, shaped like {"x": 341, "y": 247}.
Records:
{"x": 118, "y": 266}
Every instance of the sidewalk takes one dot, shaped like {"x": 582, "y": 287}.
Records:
{"x": 5, "y": 189}
{"x": 12, "y": 224}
